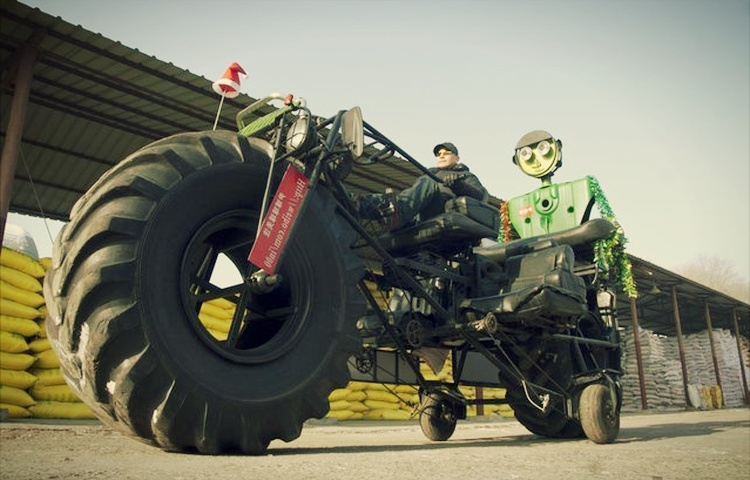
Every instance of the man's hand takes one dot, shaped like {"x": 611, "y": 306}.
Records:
{"x": 453, "y": 178}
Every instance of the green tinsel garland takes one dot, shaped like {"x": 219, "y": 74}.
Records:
{"x": 610, "y": 252}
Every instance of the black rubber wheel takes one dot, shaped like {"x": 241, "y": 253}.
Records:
{"x": 600, "y": 417}
{"x": 548, "y": 365}
{"x": 437, "y": 417}
{"x": 138, "y": 259}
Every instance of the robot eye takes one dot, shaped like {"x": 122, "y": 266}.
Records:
{"x": 524, "y": 154}
{"x": 544, "y": 147}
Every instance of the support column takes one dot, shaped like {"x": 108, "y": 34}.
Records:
{"x": 14, "y": 130}
{"x": 480, "y": 396}
{"x": 638, "y": 355}
{"x": 709, "y": 326}
{"x": 680, "y": 344}
{"x": 745, "y": 392}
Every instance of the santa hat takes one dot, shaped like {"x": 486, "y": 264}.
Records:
{"x": 229, "y": 83}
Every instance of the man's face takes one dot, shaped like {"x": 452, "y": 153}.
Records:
{"x": 445, "y": 158}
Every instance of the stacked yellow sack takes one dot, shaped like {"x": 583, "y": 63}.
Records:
{"x": 216, "y": 315}
{"x": 28, "y": 361}
{"x": 711, "y": 397}
{"x": 380, "y": 401}
{"x": 503, "y": 410}
{"x": 20, "y": 300}
{"x": 375, "y": 401}
{"x": 444, "y": 375}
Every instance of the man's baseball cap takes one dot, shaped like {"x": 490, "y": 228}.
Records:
{"x": 446, "y": 145}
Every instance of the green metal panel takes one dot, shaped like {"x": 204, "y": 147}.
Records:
{"x": 551, "y": 209}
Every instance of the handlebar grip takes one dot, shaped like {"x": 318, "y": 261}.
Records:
{"x": 255, "y": 106}
{"x": 290, "y": 104}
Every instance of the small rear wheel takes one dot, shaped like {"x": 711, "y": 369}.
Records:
{"x": 600, "y": 417}
{"x": 437, "y": 417}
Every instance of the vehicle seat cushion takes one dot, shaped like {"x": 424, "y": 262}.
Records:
{"x": 445, "y": 229}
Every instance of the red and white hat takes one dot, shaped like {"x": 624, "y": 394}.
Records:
{"x": 229, "y": 83}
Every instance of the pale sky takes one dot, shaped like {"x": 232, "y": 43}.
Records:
{"x": 650, "y": 97}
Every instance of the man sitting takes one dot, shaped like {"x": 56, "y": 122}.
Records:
{"x": 426, "y": 197}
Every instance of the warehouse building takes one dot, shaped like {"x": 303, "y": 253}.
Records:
{"x": 74, "y": 103}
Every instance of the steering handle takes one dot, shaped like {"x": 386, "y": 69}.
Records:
{"x": 288, "y": 101}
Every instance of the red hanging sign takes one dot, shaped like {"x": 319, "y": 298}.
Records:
{"x": 279, "y": 220}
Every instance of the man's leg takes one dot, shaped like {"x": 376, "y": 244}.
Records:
{"x": 425, "y": 198}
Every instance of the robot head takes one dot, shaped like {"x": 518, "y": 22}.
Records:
{"x": 538, "y": 154}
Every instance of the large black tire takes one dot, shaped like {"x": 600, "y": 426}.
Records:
{"x": 549, "y": 365}
{"x": 123, "y": 296}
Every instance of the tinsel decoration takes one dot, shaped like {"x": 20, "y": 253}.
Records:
{"x": 610, "y": 252}
{"x": 505, "y": 221}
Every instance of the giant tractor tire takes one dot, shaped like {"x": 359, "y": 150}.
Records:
{"x": 138, "y": 259}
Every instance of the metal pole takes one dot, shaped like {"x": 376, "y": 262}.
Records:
{"x": 480, "y": 396}
{"x": 715, "y": 359}
{"x": 14, "y": 130}
{"x": 680, "y": 343}
{"x": 745, "y": 392}
{"x": 638, "y": 358}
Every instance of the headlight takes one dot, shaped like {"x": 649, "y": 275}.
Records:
{"x": 524, "y": 154}
{"x": 543, "y": 148}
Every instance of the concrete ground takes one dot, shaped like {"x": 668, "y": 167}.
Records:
{"x": 653, "y": 446}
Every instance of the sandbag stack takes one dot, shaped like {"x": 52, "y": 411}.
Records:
{"x": 20, "y": 302}
{"x": 32, "y": 384}
{"x": 663, "y": 372}
{"x": 216, "y": 316}
{"x": 699, "y": 361}
{"x": 381, "y": 401}
{"x": 661, "y": 369}
{"x": 373, "y": 401}
{"x": 503, "y": 409}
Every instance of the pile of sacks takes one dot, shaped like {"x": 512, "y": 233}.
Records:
{"x": 31, "y": 383}
{"x": 700, "y": 366}
{"x": 663, "y": 371}
{"x": 216, "y": 316}
{"x": 381, "y": 401}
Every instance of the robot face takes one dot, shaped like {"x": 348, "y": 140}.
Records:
{"x": 539, "y": 159}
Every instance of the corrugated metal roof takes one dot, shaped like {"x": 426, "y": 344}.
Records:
{"x": 94, "y": 101}
{"x": 655, "y": 303}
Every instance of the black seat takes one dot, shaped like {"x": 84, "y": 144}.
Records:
{"x": 465, "y": 222}
{"x": 581, "y": 236}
